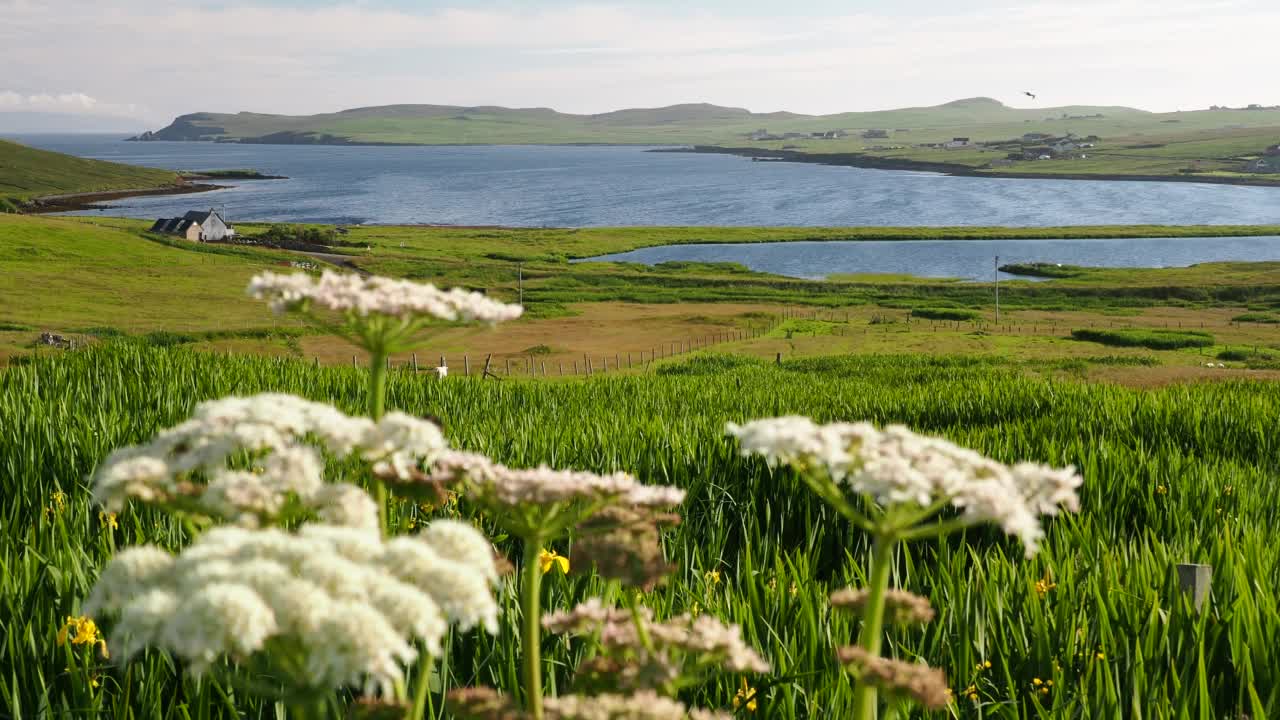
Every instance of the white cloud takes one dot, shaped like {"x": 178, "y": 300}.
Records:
{"x": 597, "y": 57}
{"x": 56, "y": 102}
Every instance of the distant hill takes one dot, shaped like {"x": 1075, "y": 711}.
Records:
{"x": 674, "y": 124}
{"x": 25, "y": 122}
{"x": 26, "y": 173}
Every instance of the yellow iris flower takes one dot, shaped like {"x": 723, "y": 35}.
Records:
{"x": 548, "y": 559}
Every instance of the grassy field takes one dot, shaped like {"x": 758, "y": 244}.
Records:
{"x": 26, "y": 173}
{"x": 92, "y": 278}
{"x": 1181, "y": 474}
{"x": 63, "y": 274}
{"x": 1104, "y": 369}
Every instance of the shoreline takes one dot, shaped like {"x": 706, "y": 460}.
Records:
{"x": 873, "y": 162}
{"x": 72, "y": 202}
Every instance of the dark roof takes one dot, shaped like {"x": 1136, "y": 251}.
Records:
{"x": 177, "y": 225}
{"x": 198, "y": 216}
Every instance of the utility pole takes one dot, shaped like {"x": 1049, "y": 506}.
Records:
{"x": 997, "y": 272}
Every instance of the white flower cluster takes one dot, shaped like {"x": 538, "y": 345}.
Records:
{"x": 349, "y": 602}
{"x": 194, "y": 464}
{"x": 703, "y": 635}
{"x": 897, "y": 466}
{"x": 364, "y": 296}
{"x": 642, "y": 705}
{"x": 511, "y": 487}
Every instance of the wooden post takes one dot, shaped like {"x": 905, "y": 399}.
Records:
{"x": 442, "y": 362}
{"x": 466, "y": 365}
{"x": 628, "y": 360}
{"x": 778, "y": 360}
{"x": 487, "y": 358}
{"x": 575, "y": 367}
{"x": 388, "y": 362}
{"x": 353, "y": 362}
{"x": 561, "y": 366}
{"x": 1197, "y": 580}
{"x": 617, "y": 361}
{"x": 587, "y": 362}
{"x": 317, "y": 361}
{"x": 544, "y": 368}
{"x": 414, "y": 359}
{"x": 508, "y": 367}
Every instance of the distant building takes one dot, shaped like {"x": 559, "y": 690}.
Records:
{"x": 874, "y": 133}
{"x": 196, "y": 226}
{"x": 1036, "y": 137}
{"x": 958, "y": 143}
{"x": 1064, "y": 146}
{"x": 1273, "y": 150}
{"x": 1000, "y": 162}
{"x": 1268, "y": 164}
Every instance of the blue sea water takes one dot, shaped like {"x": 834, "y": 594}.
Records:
{"x": 595, "y": 186}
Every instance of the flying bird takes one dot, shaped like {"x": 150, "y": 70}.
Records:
{"x": 1030, "y": 95}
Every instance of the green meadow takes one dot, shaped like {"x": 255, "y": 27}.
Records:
{"x": 1095, "y": 626}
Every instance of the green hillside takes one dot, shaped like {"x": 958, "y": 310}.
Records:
{"x": 692, "y": 123}
{"x": 978, "y": 118}
{"x": 27, "y": 173}
{"x": 66, "y": 273}
{"x": 1217, "y": 144}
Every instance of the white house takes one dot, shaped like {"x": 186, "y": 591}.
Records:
{"x": 196, "y": 226}
{"x": 958, "y": 143}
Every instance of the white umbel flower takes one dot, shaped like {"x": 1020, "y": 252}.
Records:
{"x": 896, "y": 466}
{"x": 502, "y": 486}
{"x": 243, "y": 459}
{"x": 704, "y": 637}
{"x": 365, "y": 296}
{"x": 355, "y": 604}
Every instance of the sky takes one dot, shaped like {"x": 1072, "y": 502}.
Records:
{"x": 155, "y": 60}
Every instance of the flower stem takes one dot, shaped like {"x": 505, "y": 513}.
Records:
{"x": 531, "y": 626}
{"x": 377, "y": 383}
{"x": 421, "y": 688}
{"x": 865, "y": 705}
{"x": 377, "y": 403}
{"x": 313, "y": 709}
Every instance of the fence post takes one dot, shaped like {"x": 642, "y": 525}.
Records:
{"x": 487, "y": 358}
{"x": 778, "y": 359}
{"x": 508, "y": 367}
{"x": 353, "y": 362}
{"x": 628, "y": 360}
{"x": 317, "y": 361}
{"x": 466, "y": 365}
{"x": 561, "y": 362}
{"x": 587, "y": 362}
{"x": 575, "y": 367}
{"x": 544, "y": 368}
{"x": 617, "y": 361}
{"x": 414, "y": 359}
{"x": 1197, "y": 580}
